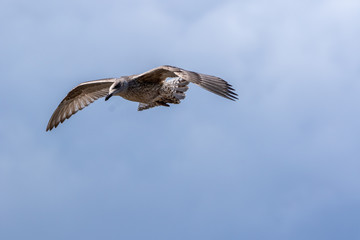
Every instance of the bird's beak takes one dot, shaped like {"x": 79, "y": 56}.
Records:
{"x": 108, "y": 96}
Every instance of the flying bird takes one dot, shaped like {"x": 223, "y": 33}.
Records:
{"x": 150, "y": 89}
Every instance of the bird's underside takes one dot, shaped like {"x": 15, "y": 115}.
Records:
{"x": 172, "y": 91}
{"x": 152, "y": 88}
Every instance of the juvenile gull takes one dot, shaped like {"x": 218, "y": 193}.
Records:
{"x": 150, "y": 89}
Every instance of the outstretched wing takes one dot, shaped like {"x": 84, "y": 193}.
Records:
{"x": 78, "y": 98}
{"x": 211, "y": 83}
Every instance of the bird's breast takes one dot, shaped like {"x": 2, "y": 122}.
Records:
{"x": 141, "y": 92}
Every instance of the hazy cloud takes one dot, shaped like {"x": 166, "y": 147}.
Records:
{"x": 280, "y": 163}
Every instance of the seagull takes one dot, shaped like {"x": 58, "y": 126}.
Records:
{"x": 156, "y": 87}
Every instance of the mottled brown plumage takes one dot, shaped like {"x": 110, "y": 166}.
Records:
{"x": 150, "y": 89}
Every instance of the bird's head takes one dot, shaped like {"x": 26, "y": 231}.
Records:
{"x": 117, "y": 87}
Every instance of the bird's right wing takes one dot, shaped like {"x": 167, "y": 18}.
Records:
{"x": 78, "y": 98}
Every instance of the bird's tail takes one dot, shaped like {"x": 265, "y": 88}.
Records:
{"x": 173, "y": 91}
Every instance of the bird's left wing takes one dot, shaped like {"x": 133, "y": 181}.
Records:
{"x": 211, "y": 83}
{"x": 158, "y": 74}
{"x": 78, "y": 98}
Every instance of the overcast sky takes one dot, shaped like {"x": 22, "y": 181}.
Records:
{"x": 283, "y": 162}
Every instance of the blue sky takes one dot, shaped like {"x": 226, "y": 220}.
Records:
{"x": 281, "y": 163}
